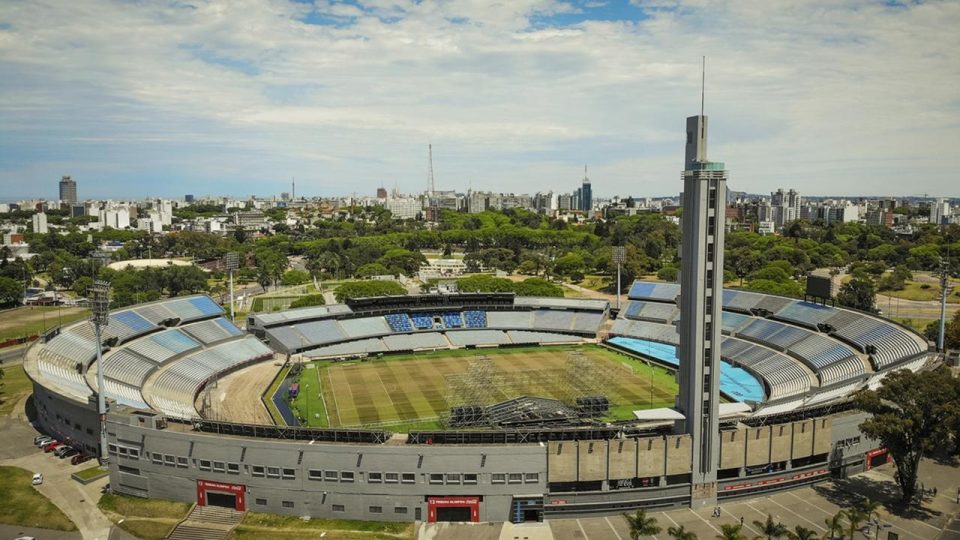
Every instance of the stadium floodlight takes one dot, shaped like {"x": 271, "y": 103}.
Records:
{"x": 231, "y": 261}
{"x": 100, "y": 316}
{"x": 619, "y": 257}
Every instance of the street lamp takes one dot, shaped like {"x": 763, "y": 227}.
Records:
{"x": 100, "y": 316}
{"x": 231, "y": 261}
{"x": 619, "y": 257}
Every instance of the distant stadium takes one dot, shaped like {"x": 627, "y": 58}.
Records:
{"x": 472, "y": 407}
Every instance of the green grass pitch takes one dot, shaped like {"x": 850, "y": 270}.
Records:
{"x": 416, "y": 391}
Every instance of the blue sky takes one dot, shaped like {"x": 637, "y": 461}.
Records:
{"x": 237, "y": 97}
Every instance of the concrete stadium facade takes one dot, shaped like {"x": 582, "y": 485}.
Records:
{"x": 569, "y": 472}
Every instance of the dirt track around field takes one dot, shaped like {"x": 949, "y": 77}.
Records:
{"x": 237, "y": 396}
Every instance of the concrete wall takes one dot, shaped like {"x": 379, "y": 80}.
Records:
{"x": 732, "y": 449}
{"x": 623, "y": 459}
{"x": 781, "y": 442}
{"x": 802, "y": 439}
{"x": 67, "y": 419}
{"x": 678, "y": 454}
{"x": 592, "y": 462}
{"x": 758, "y": 446}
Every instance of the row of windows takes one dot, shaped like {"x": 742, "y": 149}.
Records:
{"x": 125, "y": 451}
{"x": 337, "y": 507}
{"x": 273, "y": 472}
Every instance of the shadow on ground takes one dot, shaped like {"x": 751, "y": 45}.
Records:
{"x": 847, "y": 493}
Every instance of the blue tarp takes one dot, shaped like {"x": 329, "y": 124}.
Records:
{"x": 736, "y": 382}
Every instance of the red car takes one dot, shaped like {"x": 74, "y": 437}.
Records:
{"x": 79, "y": 458}
{"x": 50, "y": 447}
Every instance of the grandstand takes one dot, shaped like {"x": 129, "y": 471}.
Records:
{"x": 796, "y": 348}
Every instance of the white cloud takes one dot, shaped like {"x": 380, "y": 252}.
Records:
{"x": 857, "y": 97}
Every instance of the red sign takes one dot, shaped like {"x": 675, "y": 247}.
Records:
{"x": 473, "y": 503}
{"x": 233, "y": 489}
{"x": 558, "y": 501}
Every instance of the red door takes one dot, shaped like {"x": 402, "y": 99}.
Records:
{"x": 218, "y": 493}
{"x": 438, "y": 508}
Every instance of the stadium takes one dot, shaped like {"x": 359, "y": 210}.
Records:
{"x": 462, "y": 407}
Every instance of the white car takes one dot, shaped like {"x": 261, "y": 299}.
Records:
{"x": 37, "y": 479}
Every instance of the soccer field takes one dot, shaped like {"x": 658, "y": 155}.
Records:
{"x": 416, "y": 391}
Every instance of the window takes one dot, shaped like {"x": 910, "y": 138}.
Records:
{"x": 376, "y": 509}
{"x": 273, "y": 472}
{"x": 392, "y": 478}
{"x": 375, "y": 477}
{"x": 289, "y": 474}
{"x": 256, "y": 470}
{"x": 315, "y": 474}
{"x": 134, "y": 453}
{"x": 470, "y": 479}
{"x": 219, "y": 466}
{"x": 261, "y": 502}
{"x": 331, "y": 476}
{"x": 453, "y": 478}
{"x": 287, "y": 504}
{"x": 408, "y": 478}
{"x": 436, "y": 478}
{"x": 182, "y": 462}
{"x": 498, "y": 478}
{"x": 346, "y": 476}
{"x": 515, "y": 478}
{"x": 122, "y": 450}
{"x": 158, "y": 458}
{"x": 169, "y": 460}
{"x": 337, "y": 508}
{"x": 233, "y": 468}
{"x": 204, "y": 465}
{"x": 400, "y": 510}
{"x": 531, "y": 477}
{"x": 112, "y": 449}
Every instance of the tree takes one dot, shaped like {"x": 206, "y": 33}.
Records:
{"x": 11, "y": 291}
{"x": 731, "y": 531}
{"x": 361, "y": 289}
{"x": 771, "y": 529}
{"x": 81, "y": 285}
{"x": 911, "y": 414}
{"x": 869, "y": 507}
{"x": 857, "y": 294}
{"x": 309, "y": 300}
{"x": 681, "y": 533}
{"x": 855, "y": 517}
{"x": 641, "y": 525}
{"x": 834, "y": 524}
{"x": 294, "y": 277}
{"x": 802, "y": 533}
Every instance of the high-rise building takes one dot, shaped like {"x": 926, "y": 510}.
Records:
{"x": 701, "y": 280}
{"x": 188, "y": 198}
{"x": 40, "y": 223}
{"x": 939, "y": 212}
{"x": 381, "y": 193}
{"x": 586, "y": 193}
{"x": 68, "y": 190}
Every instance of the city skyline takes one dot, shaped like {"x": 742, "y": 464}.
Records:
{"x": 223, "y": 99}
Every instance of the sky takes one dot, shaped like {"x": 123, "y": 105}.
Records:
{"x": 137, "y": 98}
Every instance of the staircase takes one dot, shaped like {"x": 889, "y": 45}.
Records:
{"x": 206, "y": 523}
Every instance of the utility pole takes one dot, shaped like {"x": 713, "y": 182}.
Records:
{"x": 944, "y": 291}
{"x": 619, "y": 257}
{"x": 231, "y": 261}
{"x": 100, "y": 316}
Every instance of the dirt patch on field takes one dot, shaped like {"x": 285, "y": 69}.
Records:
{"x": 236, "y": 396}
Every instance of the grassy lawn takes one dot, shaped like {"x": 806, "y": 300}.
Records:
{"x": 597, "y": 283}
{"x": 259, "y": 525}
{"x": 30, "y": 321}
{"x": 925, "y": 292}
{"x": 24, "y": 506}
{"x": 274, "y": 413}
{"x": 90, "y": 472}
{"x": 415, "y": 391}
{"x": 15, "y": 386}
{"x": 917, "y": 324}
{"x": 148, "y": 519}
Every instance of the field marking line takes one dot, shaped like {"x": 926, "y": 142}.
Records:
{"x": 326, "y": 411}
{"x": 333, "y": 390}
{"x": 615, "y": 533}
{"x": 705, "y": 521}
{"x": 393, "y": 404}
{"x": 666, "y": 515}
{"x": 582, "y": 531}
{"x": 821, "y": 527}
{"x": 737, "y": 519}
{"x": 845, "y": 521}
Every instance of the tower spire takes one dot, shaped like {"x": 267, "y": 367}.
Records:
{"x": 430, "y": 168}
{"x": 703, "y": 84}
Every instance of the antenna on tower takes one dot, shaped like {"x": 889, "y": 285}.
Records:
{"x": 293, "y": 188}
{"x": 430, "y": 183}
{"x": 703, "y": 84}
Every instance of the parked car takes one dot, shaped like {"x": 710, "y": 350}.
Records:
{"x": 52, "y": 446}
{"x": 46, "y": 444}
{"x": 37, "y": 479}
{"x": 61, "y": 450}
{"x": 79, "y": 458}
{"x": 41, "y": 440}
{"x": 69, "y": 453}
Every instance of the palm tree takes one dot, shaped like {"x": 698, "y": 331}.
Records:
{"x": 731, "y": 531}
{"x": 771, "y": 529}
{"x": 802, "y": 533}
{"x": 869, "y": 508}
{"x": 680, "y": 533}
{"x": 855, "y": 516}
{"x": 641, "y": 525}
{"x": 834, "y": 524}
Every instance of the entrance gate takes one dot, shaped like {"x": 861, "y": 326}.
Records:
{"x": 453, "y": 509}
{"x": 221, "y": 494}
